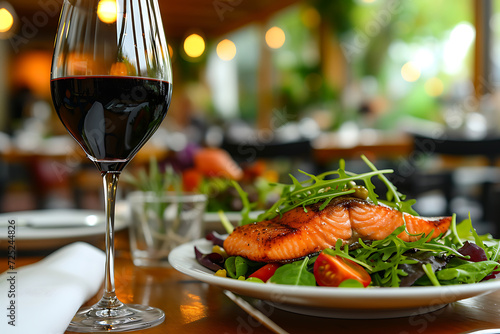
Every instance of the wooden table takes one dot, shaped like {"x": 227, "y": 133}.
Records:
{"x": 194, "y": 307}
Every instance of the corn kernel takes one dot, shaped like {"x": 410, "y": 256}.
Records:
{"x": 221, "y": 273}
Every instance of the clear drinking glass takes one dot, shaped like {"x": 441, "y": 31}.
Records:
{"x": 159, "y": 222}
{"x": 111, "y": 87}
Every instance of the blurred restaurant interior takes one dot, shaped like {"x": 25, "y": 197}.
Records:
{"x": 283, "y": 85}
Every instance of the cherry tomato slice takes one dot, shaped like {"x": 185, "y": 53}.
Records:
{"x": 266, "y": 271}
{"x": 330, "y": 270}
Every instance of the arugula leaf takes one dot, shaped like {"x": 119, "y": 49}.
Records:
{"x": 387, "y": 259}
{"x": 294, "y": 273}
{"x": 453, "y": 238}
{"x": 466, "y": 231}
{"x": 427, "y": 268}
{"x": 344, "y": 252}
{"x": 392, "y": 193}
{"x": 466, "y": 272}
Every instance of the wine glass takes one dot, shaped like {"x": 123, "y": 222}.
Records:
{"x": 111, "y": 87}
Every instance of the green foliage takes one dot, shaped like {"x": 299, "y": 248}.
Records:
{"x": 294, "y": 273}
{"x": 461, "y": 271}
{"x": 339, "y": 14}
{"x": 237, "y": 266}
{"x": 154, "y": 180}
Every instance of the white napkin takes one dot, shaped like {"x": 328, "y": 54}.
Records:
{"x": 49, "y": 293}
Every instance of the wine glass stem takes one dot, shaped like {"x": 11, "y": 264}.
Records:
{"x": 110, "y": 182}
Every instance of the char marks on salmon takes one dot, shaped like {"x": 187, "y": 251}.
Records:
{"x": 298, "y": 233}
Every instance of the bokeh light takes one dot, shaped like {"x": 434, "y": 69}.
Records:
{"x": 194, "y": 45}
{"x": 32, "y": 71}
{"x": 107, "y": 11}
{"x": 226, "y": 50}
{"x": 434, "y": 87}
{"x": 6, "y": 20}
{"x": 410, "y": 72}
{"x": 457, "y": 46}
{"x": 275, "y": 37}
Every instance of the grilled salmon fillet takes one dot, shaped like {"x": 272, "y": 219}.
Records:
{"x": 298, "y": 233}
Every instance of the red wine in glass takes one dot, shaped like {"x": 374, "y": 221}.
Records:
{"x": 111, "y": 117}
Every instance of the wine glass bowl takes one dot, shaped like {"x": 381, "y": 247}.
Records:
{"x": 111, "y": 87}
{"x": 111, "y": 82}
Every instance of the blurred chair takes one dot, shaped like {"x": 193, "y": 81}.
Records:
{"x": 249, "y": 152}
{"x": 484, "y": 172}
{"x": 488, "y": 147}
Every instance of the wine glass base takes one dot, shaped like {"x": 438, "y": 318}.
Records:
{"x": 126, "y": 317}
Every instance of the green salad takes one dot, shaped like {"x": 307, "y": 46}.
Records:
{"x": 459, "y": 257}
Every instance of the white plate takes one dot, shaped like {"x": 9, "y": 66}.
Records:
{"x": 47, "y": 229}
{"x": 348, "y": 303}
